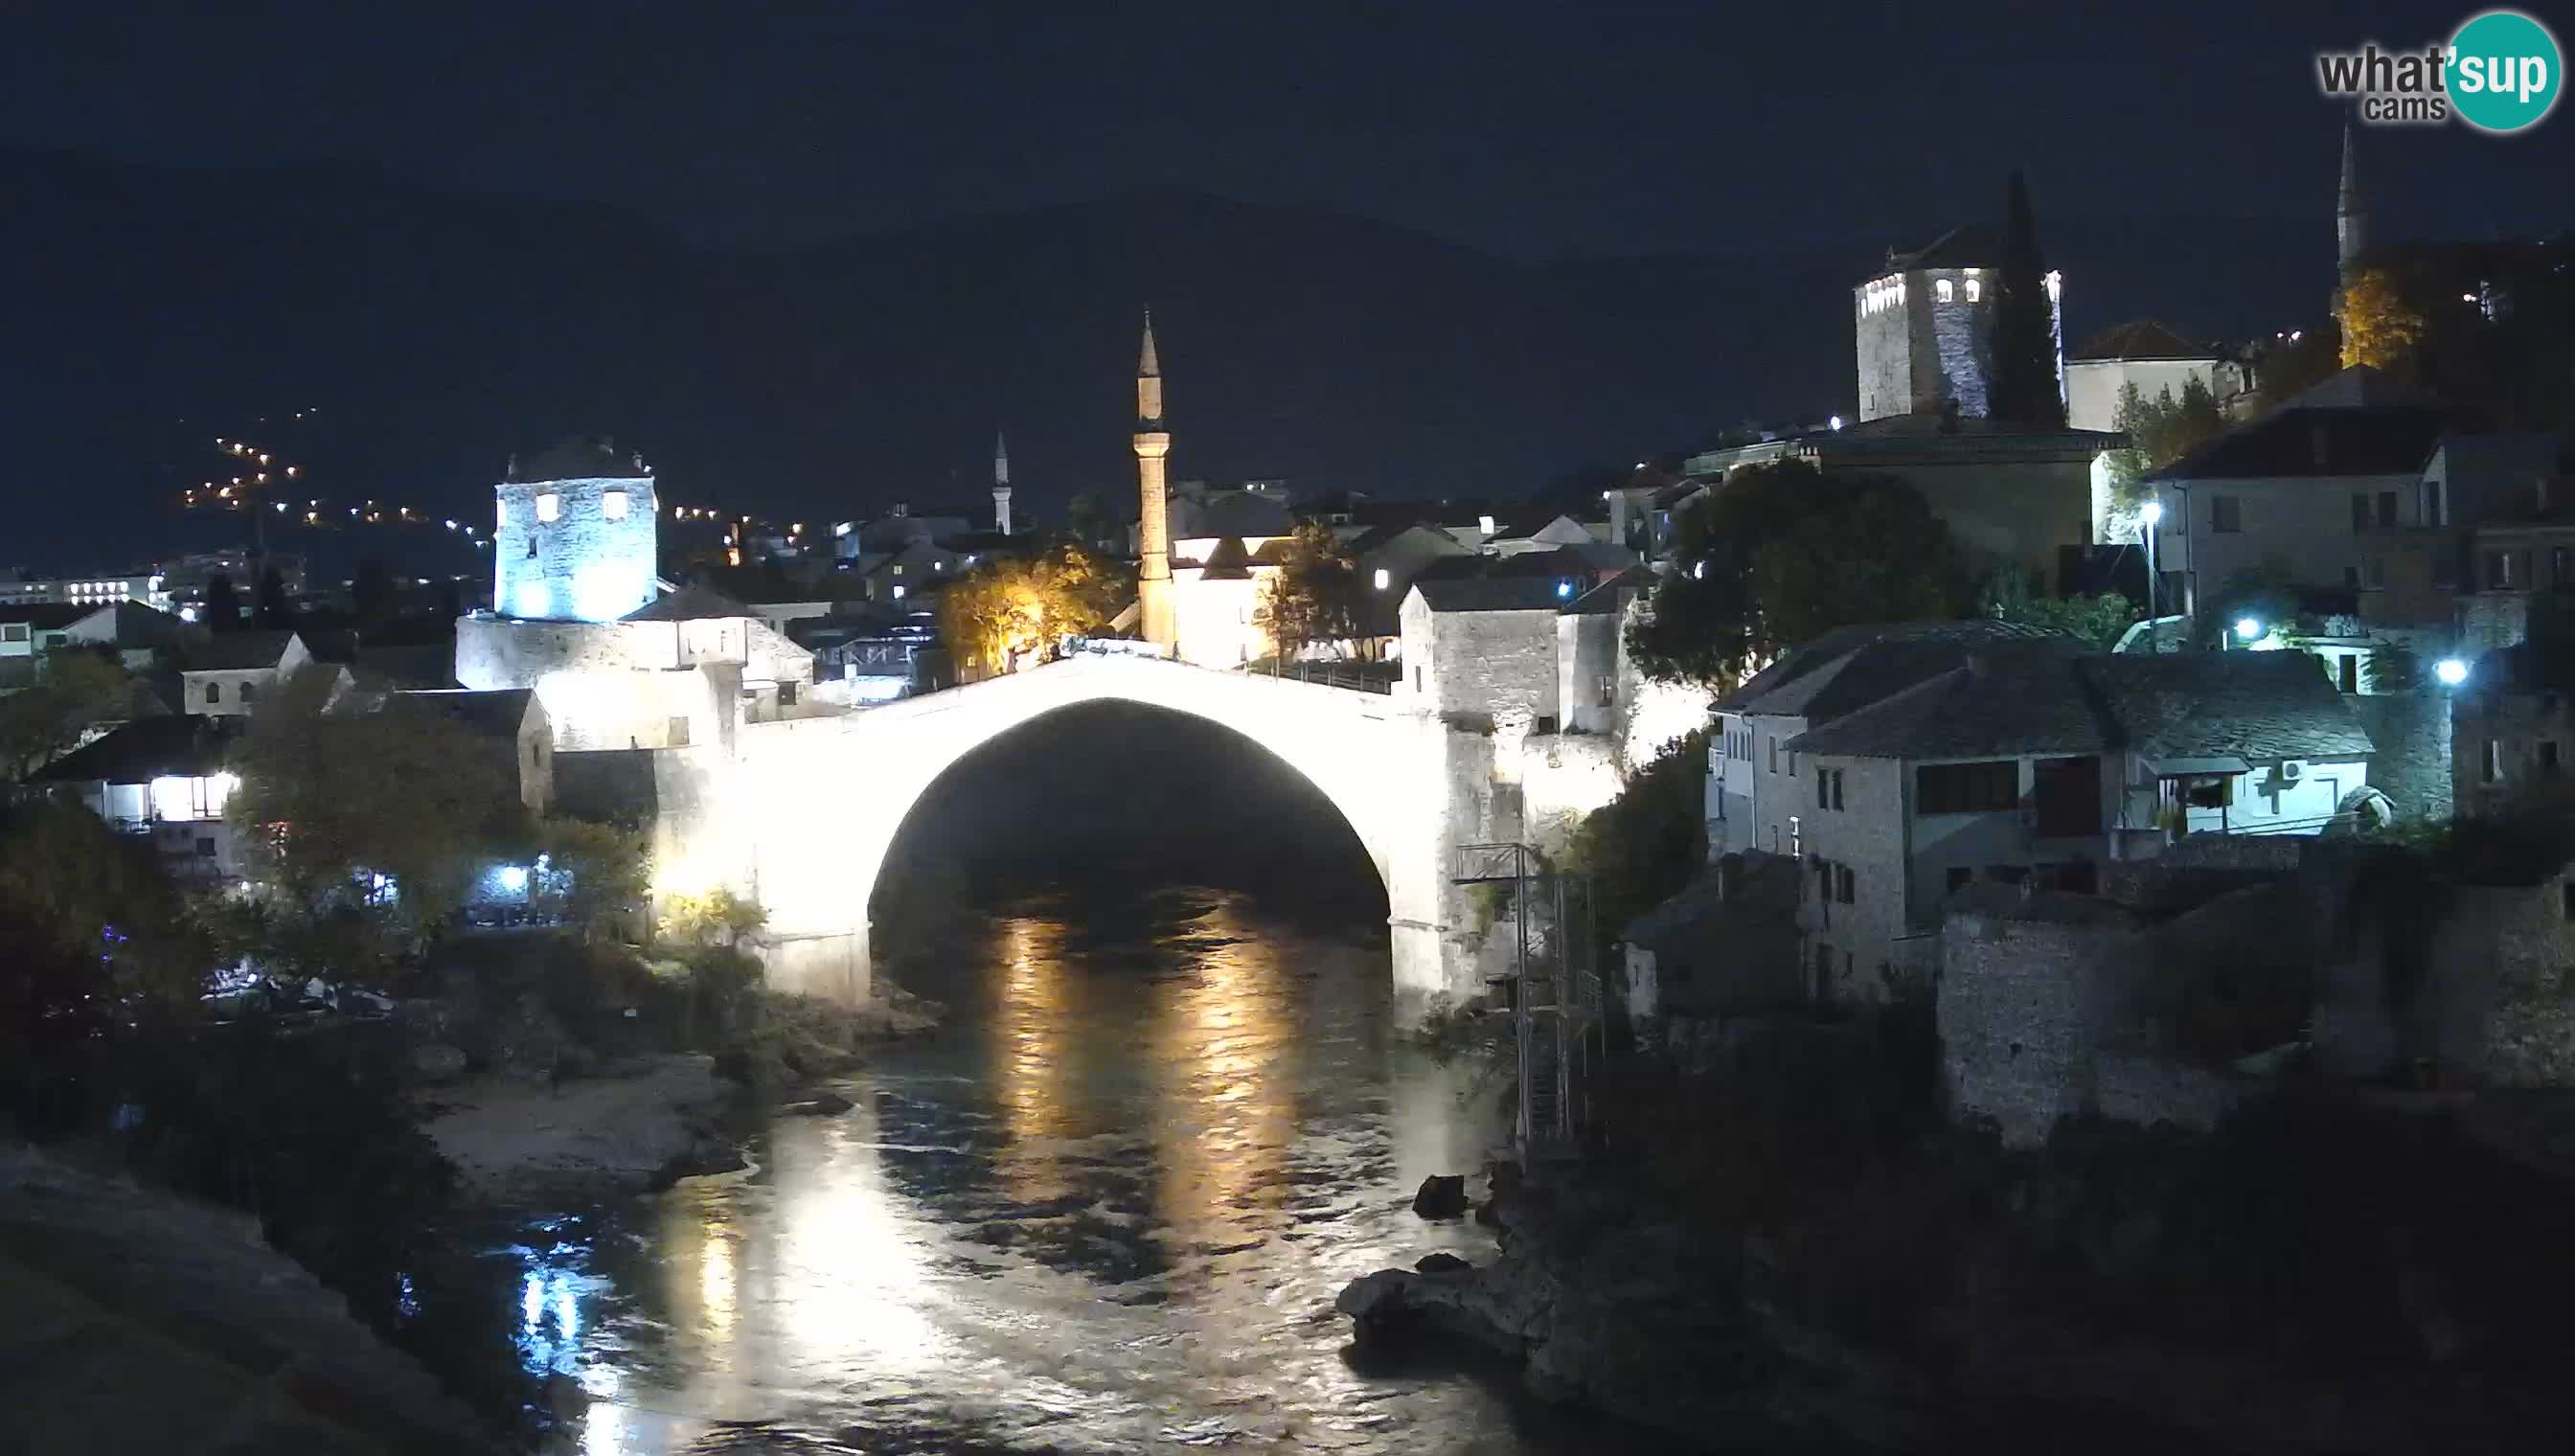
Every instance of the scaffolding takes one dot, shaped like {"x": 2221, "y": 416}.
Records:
{"x": 1554, "y": 988}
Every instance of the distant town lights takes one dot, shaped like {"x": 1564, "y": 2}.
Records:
{"x": 2451, "y": 671}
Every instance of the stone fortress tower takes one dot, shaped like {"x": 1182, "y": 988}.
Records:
{"x": 1157, "y": 620}
{"x": 1925, "y": 326}
{"x": 1001, "y": 485}
{"x": 577, "y": 536}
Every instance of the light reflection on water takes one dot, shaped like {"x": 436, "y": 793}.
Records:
{"x": 1105, "y": 1209}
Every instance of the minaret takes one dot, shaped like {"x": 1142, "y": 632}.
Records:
{"x": 1154, "y": 528}
{"x": 1001, "y": 485}
{"x": 2351, "y": 212}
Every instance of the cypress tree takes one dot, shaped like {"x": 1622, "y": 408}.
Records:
{"x": 2024, "y": 390}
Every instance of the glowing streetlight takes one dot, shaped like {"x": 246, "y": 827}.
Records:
{"x": 2451, "y": 671}
{"x": 2248, "y": 628}
{"x": 2154, "y": 512}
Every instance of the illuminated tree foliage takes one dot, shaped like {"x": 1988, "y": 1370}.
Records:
{"x": 715, "y": 917}
{"x": 2100, "y": 620}
{"x": 2160, "y": 430}
{"x": 1781, "y": 552}
{"x": 1314, "y": 598}
{"x": 2379, "y": 328}
{"x": 595, "y": 872}
{"x": 1014, "y": 606}
{"x": 334, "y": 795}
{"x": 73, "y": 693}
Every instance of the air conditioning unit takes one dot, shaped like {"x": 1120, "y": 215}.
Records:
{"x": 2290, "y": 769}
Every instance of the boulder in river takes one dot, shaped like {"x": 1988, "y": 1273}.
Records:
{"x": 1442, "y": 1195}
{"x": 1442, "y": 1264}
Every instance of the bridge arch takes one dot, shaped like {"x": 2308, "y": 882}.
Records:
{"x": 816, "y": 802}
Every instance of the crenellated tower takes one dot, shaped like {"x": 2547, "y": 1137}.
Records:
{"x": 1154, "y": 525}
{"x": 1001, "y": 485}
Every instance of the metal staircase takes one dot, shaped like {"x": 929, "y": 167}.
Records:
{"x": 1552, "y": 987}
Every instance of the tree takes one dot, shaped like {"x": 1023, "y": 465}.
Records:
{"x": 92, "y": 930}
{"x": 2379, "y": 328}
{"x": 2288, "y": 367}
{"x": 1013, "y": 606}
{"x": 2024, "y": 388}
{"x": 2160, "y": 430}
{"x": 75, "y": 690}
{"x": 272, "y": 609}
{"x": 370, "y": 594}
{"x": 1089, "y": 520}
{"x": 1314, "y": 598}
{"x": 2100, "y": 620}
{"x": 1736, "y": 597}
{"x": 712, "y": 918}
{"x": 223, "y": 604}
{"x": 592, "y": 872}
{"x": 366, "y": 819}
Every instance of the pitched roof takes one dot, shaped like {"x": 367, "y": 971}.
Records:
{"x": 1490, "y": 593}
{"x": 239, "y": 652}
{"x": 690, "y": 602}
{"x": 1226, "y": 560}
{"x": 500, "y": 711}
{"x": 1876, "y": 660}
{"x": 45, "y": 615}
{"x": 1972, "y": 246}
{"x": 187, "y": 745}
{"x": 411, "y": 665}
{"x": 1612, "y": 594}
{"x": 2026, "y": 700}
{"x": 2378, "y": 439}
{"x": 2141, "y": 339}
{"x": 1230, "y": 513}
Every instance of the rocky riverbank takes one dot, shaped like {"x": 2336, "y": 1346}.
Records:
{"x": 521, "y": 1139}
{"x": 2331, "y": 1278}
{"x": 140, "y": 1320}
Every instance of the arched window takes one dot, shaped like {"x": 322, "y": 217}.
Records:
{"x": 549, "y": 506}
{"x": 248, "y": 690}
{"x": 214, "y": 692}
{"x": 1975, "y": 289}
{"x": 1945, "y": 289}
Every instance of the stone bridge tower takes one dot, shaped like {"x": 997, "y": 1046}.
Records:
{"x": 1153, "y": 528}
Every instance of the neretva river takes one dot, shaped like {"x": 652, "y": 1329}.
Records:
{"x": 1105, "y": 1209}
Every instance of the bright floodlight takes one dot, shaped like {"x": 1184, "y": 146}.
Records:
{"x": 512, "y": 878}
{"x": 2451, "y": 671}
{"x": 2154, "y": 512}
{"x": 2247, "y": 628}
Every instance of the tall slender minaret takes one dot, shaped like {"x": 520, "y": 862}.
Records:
{"x": 1002, "y": 484}
{"x": 1154, "y": 530}
{"x": 2351, "y": 212}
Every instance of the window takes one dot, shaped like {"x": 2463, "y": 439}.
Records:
{"x": 786, "y": 694}
{"x": 2561, "y": 566}
{"x": 2350, "y": 677}
{"x": 2359, "y": 511}
{"x": 204, "y": 848}
{"x": 1945, "y": 289}
{"x": 612, "y": 504}
{"x": 502, "y": 517}
{"x": 1609, "y": 690}
{"x": 2209, "y": 790}
{"x": 1958, "y": 788}
{"x": 1381, "y": 579}
{"x": 1837, "y": 788}
{"x": 214, "y": 692}
{"x": 677, "y": 733}
{"x": 2498, "y": 570}
{"x": 2225, "y": 515}
{"x": 897, "y": 569}
{"x": 2351, "y": 577}
{"x": 2491, "y": 771}
{"x": 2387, "y": 507}
{"x": 248, "y": 690}
{"x": 549, "y": 506}
{"x": 1959, "y": 876}
{"x": 2378, "y": 571}
{"x": 898, "y": 594}
{"x": 1824, "y": 788}
{"x": 1416, "y": 679}
{"x": 1774, "y": 755}
{"x": 1975, "y": 289}
{"x": 1844, "y": 883}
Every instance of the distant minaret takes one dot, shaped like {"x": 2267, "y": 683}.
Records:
{"x": 1001, "y": 485}
{"x": 2351, "y": 212}
{"x": 1154, "y": 531}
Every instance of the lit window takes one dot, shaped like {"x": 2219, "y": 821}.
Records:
{"x": 1946, "y": 291}
{"x": 1975, "y": 289}
{"x": 503, "y": 517}
{"x": 898, "y": 594}
{"x": 549, "y": 506}
{"x": 1381, "y": 579}
{"x": 612, "y": 504}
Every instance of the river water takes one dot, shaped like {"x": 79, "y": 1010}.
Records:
{"x": 1103, "y": 1209}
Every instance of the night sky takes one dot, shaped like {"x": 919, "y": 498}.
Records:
{"x": 1531, "y": 134}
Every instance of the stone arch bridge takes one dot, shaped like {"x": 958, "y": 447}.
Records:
{"x": 813, "y": 805}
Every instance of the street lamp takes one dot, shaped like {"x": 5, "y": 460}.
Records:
{"x": 2152, "y": 514}
{"x": 2247, "y": 628}
{"x": 2451, "y": 671}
